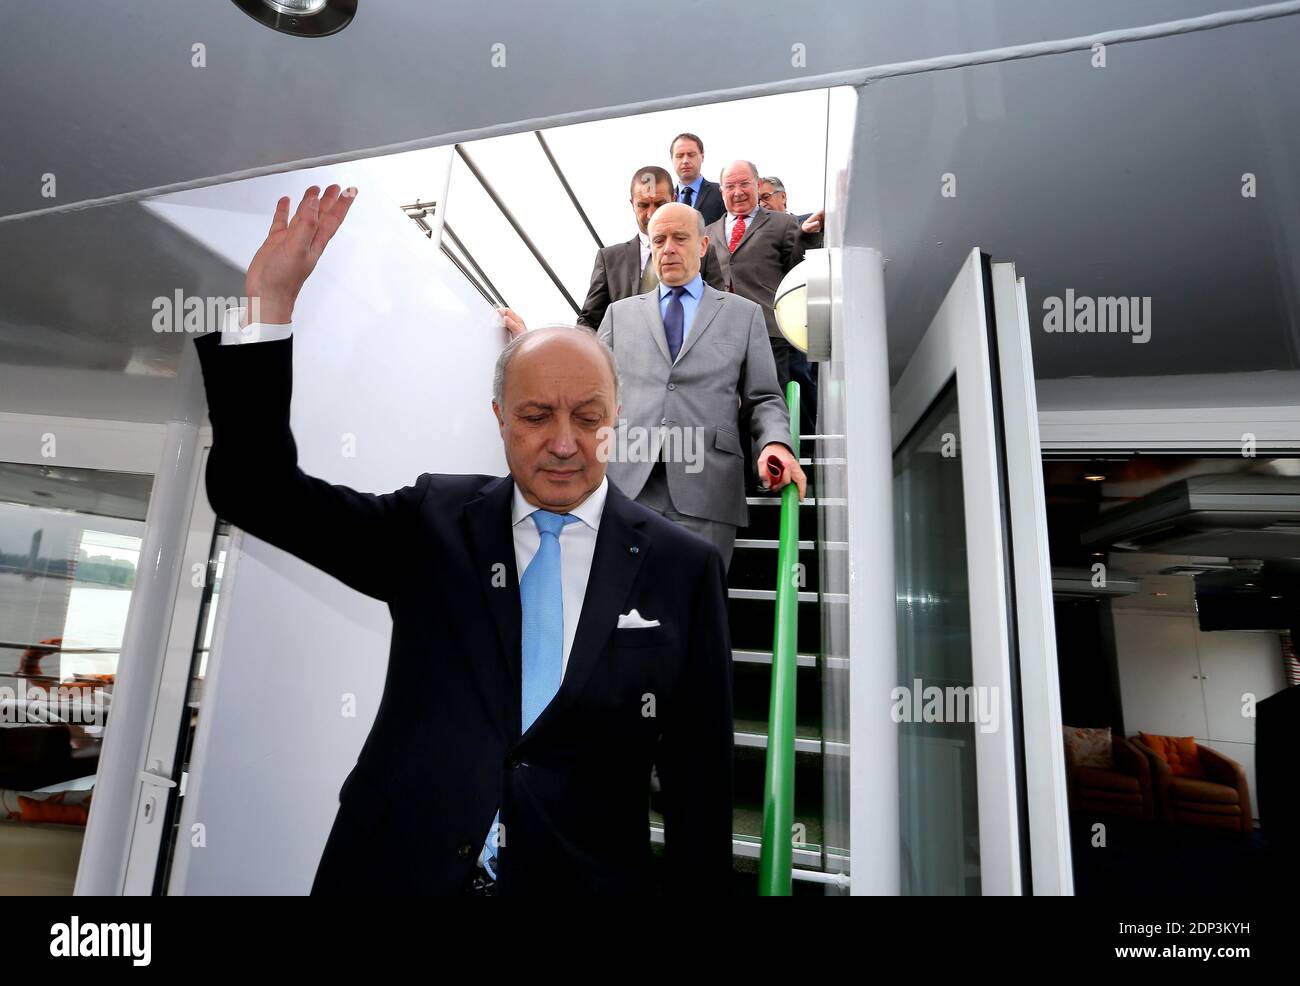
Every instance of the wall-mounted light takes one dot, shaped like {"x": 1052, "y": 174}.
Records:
{"x": 301, "y": 18}
{"x": 803, "y": 305}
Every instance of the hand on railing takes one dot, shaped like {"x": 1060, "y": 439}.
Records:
{"x": 787, "y": 469}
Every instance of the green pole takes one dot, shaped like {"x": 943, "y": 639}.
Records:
{"x": 776, "y": 857}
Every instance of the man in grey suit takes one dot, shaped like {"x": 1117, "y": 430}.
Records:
{"x": 694, "y": 363}
{"x": 625, "y": 269}
{"x": 756, "y": 248}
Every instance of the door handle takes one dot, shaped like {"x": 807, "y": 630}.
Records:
{"x": 156, "y": 780}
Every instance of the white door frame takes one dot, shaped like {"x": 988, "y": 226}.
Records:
{"x": 957, "y": 343}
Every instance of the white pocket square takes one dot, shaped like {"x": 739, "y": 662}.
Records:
{"x": 635, "y": 621}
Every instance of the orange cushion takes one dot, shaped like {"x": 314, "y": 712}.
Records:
{"x": 52, "y": 810}
{"x": 1177, "y": 751}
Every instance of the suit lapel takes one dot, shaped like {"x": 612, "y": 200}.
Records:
{"x": 650, "y": 310}
{"x": 491, "y": 537}
{"x": 710, "y": 305}
{"x": 717, "y": 243}
{"x": 614, "y": 568}
{"x": 759, "y": 219}
{"x": 632, "y": 265}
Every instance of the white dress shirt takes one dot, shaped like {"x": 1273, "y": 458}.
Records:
{"x": 577, "y": 548}
{"x": 645, "y": 249}
{"x": 730, "y": 221}
{"x": 577, "y": 541}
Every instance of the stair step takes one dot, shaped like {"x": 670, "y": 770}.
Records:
{"x": 765, "y": 657}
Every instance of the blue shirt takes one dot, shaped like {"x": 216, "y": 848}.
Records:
{"x": 695, "y": 185}
{"x": 690, "y": 302}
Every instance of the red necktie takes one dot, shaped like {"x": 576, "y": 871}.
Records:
{"x": 737, "y": 231}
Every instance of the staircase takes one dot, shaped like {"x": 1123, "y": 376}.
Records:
{"x": 751, "y": 606}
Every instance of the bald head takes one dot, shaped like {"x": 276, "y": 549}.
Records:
{"x": 677, "y": 242}
{"x": 552, "y": 335}
{"x": 555, "y": 396}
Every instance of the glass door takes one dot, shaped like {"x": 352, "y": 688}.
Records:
{"x": 975, "y": 700}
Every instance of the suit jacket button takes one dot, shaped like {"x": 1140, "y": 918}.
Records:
{"x": 464, "y": 849}
{"x": 672, "y": 386}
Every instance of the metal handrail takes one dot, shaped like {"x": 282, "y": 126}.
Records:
{"x": 776, "y": 859}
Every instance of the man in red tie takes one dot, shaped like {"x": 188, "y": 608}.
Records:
{"x": 756, "y": 248}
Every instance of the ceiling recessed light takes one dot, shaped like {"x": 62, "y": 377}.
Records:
{"x": 1094, "y": 477}
{"x": 301, "y": 18}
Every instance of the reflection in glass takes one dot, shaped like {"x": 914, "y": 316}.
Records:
{"x": 69, "y": 547}
{"x": 939, "y": 821}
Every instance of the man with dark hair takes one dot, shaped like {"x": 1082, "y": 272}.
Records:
{"x": 687, "y": 153}
{"x": 625, "y": 269}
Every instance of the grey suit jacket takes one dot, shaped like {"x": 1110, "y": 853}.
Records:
{"x": 617, "y": 275}
{"x": 723, "y": 373}
{"x": 773, "y": 243}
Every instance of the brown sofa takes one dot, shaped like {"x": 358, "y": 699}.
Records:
{"x": 1124, "y": 790}
{"x": 1219, "y": 800}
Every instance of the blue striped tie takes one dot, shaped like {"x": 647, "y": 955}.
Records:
{"x": 541, "y": 597}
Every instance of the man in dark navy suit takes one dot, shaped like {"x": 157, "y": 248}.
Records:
{"x": 687, "y": 153}
{"x": 552, "y": 640}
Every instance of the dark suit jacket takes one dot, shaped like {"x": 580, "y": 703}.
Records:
{"x": 812, "y": 241}
{"x": 772, "y": 244}
{"x": 445, "y": 750}
{"x": 709, "y": 201}
{"x": 617, "y": 275}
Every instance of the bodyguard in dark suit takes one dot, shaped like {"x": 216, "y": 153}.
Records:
{"x": 693, "y": 189}
{"x": 552, "y": 640}
{"x": 772, "y": 197}
{"x": 757, "y": 248}
{"x": 625, "y": 269}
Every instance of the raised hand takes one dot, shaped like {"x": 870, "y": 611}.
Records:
{"x": 288, "y": 256}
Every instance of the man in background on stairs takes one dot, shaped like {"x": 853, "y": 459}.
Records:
{"x": 694, "y": 363}
{"x": 693, "y": 189}
{"x": 624, "y": 269}
{"x": 756, "y": 248}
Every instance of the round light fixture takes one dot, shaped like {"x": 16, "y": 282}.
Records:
{"x": 802, "y": 305}
{"x": 301, "y": 18}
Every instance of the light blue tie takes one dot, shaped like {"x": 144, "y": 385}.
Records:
{"x": 541, "y": 597}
